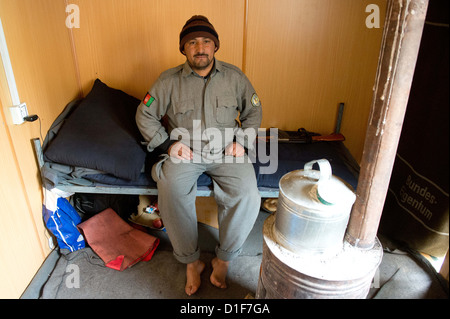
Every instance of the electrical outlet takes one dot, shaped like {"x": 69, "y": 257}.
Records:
{"x": 18, "y": 112}
{"x": 23, "y": 110}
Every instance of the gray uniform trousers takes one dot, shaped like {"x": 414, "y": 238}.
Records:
{"x": 236, "y": 194}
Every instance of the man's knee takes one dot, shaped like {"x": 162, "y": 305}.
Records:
{"x": 178, "y": 180}
{"x": 175, "y": 188}
{"x": 246, "y": 192}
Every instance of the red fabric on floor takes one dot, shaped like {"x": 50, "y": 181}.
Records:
{"x": 118, "y": 244}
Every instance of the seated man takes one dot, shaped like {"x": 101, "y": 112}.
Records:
{"x": 202, "y": 99}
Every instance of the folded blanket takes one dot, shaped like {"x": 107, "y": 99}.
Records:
{"x": 118, "y": 244}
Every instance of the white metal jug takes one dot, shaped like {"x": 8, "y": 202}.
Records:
{"x": 313, "y": 210}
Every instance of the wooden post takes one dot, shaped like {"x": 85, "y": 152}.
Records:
{"x": 399, "y": 50}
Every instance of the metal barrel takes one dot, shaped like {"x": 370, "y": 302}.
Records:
{"x": 286, "y": 275}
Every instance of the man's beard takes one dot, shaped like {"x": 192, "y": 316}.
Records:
{"x": 201, "y": 64}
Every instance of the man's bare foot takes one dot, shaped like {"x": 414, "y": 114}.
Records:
{"x": 193, "y": 272}
{"x": 220, "y": 269}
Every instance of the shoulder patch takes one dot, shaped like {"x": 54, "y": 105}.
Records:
{"x": 148, "y": 100}
{"x": 255, "y": 100}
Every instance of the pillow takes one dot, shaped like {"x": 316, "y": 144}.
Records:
{"x": 101, "y": 134}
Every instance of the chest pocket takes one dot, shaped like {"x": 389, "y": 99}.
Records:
{"x": 183, "y": 113}
{"x": 226, "y": 110}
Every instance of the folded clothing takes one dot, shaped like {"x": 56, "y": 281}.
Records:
{"x": 118, "y": 244}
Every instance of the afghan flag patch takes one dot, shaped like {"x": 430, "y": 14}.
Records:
{"x": 148, "y": 99}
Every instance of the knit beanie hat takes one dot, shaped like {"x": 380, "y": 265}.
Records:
{"x": 198, "y": 26}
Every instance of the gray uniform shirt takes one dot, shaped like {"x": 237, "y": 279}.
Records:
{"x": 201, "y": 112}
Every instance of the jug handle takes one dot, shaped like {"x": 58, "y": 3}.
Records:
{"x": 324, "y": 167}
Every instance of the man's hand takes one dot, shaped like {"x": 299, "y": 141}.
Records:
{"x": 235, "y": 149}
{"x": 180, "y": 151}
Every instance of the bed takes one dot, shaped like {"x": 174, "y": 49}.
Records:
{"x": 94, "y": 146}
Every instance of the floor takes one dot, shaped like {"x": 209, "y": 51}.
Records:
{"x": 82, "y": 274}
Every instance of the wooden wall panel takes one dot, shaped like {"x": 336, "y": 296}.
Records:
{"x": 305, "y": 57}
{"x": 128, "y": 43}
{"x": 42, "y": 62}
{"x": 20, "y": 251}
